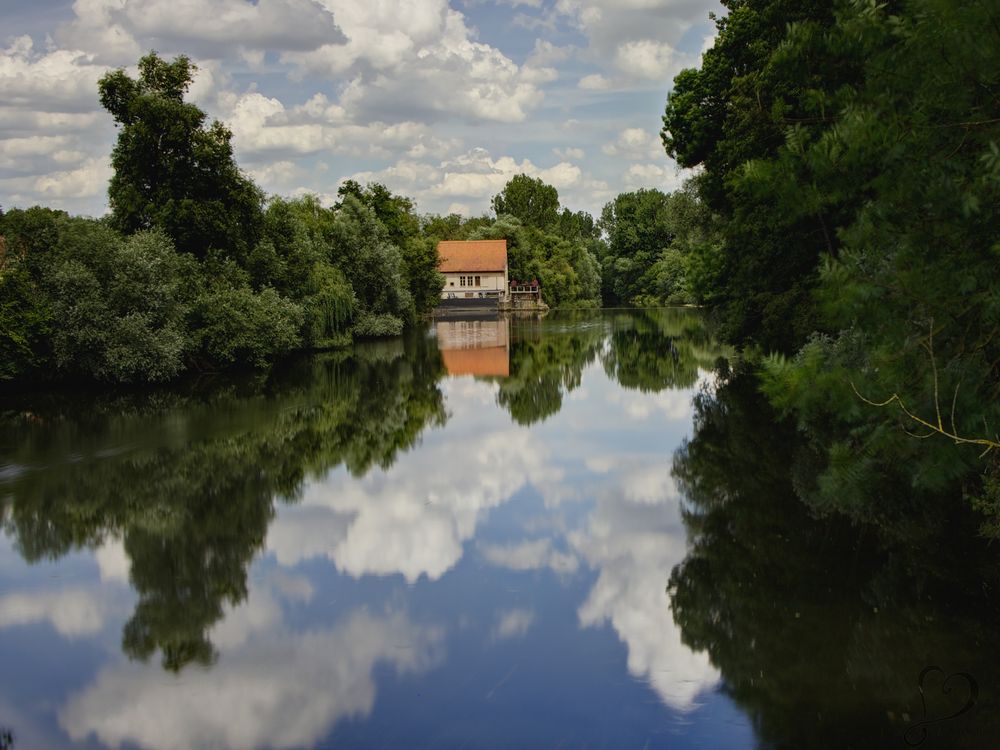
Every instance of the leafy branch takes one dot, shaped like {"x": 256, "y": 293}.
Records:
{"x": 937, "y": 426}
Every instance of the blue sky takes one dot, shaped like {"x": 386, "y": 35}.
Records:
{"x": 442, "y": 101}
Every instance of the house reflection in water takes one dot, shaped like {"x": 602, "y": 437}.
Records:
{"x": 472, "y": 345}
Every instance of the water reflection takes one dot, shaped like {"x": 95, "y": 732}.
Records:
{"x": 473, "y": 345}
{"x": 414, "y": 519}
{"x": 365, "y": 546}
{"x": 188, "y": 481}
{"x": 272, "y": 687}
{"x": 651, "y": 351}
{"x": 820, "y": 629}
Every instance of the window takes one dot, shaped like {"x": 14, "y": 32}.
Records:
{"x": 477, "y": 281}
{"x": 461, "y": 281}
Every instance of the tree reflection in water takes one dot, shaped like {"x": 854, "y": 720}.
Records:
{"x": 652, "y": 350}
{"x": 819, "y": 628}
{"x": 645, "y": 350}
{"x": 189, "y": 479}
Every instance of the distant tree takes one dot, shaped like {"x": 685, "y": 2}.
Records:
{"x": 452, "y": 226}
{"x": 374, "y": 265}
{"x": 638, "y": 232}
{"x": 567, "y": 269}
{"x": 171, "y": 171}
{"x": 401, "y": 227}
{"x": 530, "y": 200}
{"x": 577, "y": 224}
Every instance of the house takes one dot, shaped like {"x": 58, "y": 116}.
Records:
{"x": 473, "y": 269}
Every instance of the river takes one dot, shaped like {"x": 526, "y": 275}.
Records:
{"x": 581, "y": 531}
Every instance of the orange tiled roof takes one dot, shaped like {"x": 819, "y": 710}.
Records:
{"x": 455, "y": 256}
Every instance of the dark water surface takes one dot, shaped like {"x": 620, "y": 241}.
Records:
{"x": 579, "y": 532}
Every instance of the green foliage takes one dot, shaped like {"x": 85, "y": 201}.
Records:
{"x": 638, "y": 233}
{"x": 559, "y": 250}
{"x": 452, "y": 227}
{"x": 426, "y": 282}
{"x": 194, "y": 475}
{"x": 288, "y": 251}
{"x": 736, "y": 107}
{"x": 328, "y": 308}
{"x": 529, "y": 200}
{"x": 121, "y": 316}
{"x": 171, "y": 171}
{"x": 402, "y": 228}
{"x": 25, "y": 320}
{"x": 850, "y": 152}
{"x": 236, "y": 325}
{"x": 374, "y": 266}
{"x": 911, "y": 291}
{"x": 371, "y": 326}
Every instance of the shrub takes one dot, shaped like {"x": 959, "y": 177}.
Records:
{"x": 235, "y": 325}
{"x": 370, "y": 326}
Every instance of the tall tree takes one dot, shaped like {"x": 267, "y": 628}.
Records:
{"x": 736, "y": 107}
{"x": 530, "y": 200}
{"x": 638, "y": 232}
{"x": 398, "y": 219}
{"x": 910, "y": 298}
{"x": 171, "y": 171}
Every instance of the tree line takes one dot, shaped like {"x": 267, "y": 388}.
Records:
{"x": 194, "y": 269}
{"x": 850, "y": 154}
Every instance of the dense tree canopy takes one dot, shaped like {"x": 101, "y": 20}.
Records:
{"x": 193, "y": 269}
{"x": 659, "y": 248}
{"x": 735, "y": 107}
{"x": 529, "y": 200}
{"x": 171, "y": 171}
{"x": 558, "y": 249}
{"x": 850, "y": 153}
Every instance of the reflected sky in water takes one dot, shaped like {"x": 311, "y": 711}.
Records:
{"x": 483, "y": 563}
{"x": 586, "y": 530}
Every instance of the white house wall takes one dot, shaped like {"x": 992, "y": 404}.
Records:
{"x": 488, "y": 282}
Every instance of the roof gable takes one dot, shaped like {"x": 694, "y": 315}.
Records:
{"x": 455, "y": 256}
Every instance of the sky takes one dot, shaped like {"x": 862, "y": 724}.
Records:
{"x": 442, "y": 101}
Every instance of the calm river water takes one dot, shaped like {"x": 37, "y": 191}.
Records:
{"x": 576, "y": 532}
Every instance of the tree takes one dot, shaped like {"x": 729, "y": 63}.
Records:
{"x": 119, "y": 307}
{"x": 567, "y": 269}
{"x": 171, "y": 171}
{"x": 402, "y": 228}
{"x": 736, "y": 107}
{"x": 374, "y": 266}
{"x": 25, "y": 312}
{"x": 530, "y": 200}
{"x": 909, "y": 299}
{"x": 638, "y": 232}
